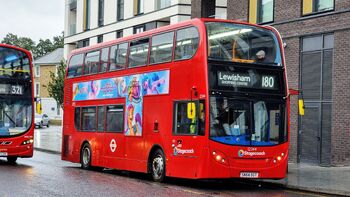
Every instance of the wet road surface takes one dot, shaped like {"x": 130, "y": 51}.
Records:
{"x": 46, "y": 175}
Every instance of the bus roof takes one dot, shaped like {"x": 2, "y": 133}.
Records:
{"x": 196, "y": 21}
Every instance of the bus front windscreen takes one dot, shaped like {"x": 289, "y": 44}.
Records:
{"x": 15, "y": 116}
{"x": 247, "y": 122}
{"x": 242, "y": 43}
{"x": 15, "y": 92}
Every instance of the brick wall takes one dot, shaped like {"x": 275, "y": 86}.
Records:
{"x": 292, "y": 63}
{"x": 341, "y": 99}
{"x": 44, "y": 79}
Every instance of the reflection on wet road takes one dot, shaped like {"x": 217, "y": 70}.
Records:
{"x": 46, "y": 175}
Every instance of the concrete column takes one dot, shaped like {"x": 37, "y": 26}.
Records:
{"x": 202, "y": 8}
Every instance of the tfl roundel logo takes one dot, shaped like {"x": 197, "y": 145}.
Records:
{"x": 241, "y": 153}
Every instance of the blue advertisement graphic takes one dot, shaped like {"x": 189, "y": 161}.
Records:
{"x": 133, "y": 88}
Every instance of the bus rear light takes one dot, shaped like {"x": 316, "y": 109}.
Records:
{"x": 26, "y": 142}
{"x": 219, "y": 157}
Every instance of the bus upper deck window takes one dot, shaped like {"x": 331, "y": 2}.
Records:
{"x": 118, "y": 56}
{"x": 162, "y": 48}
{"x": 75, "y": 65}
{"x": 92, "y": 61}
{"x": 186, "y": 43}
{"x": 138, "y": 52}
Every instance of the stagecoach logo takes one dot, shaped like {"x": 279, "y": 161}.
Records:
{"x": 113, "y": 145}
{"x": 242, "y": 153}
{"x": 182, "y": 151}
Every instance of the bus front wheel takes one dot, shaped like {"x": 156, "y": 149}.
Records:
{"x": 158, "y": 166}
{"x": 11, "y": 159}
{"x": 85, "y": 157}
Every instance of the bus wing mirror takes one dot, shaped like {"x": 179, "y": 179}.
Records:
{"x": 191, "y": 110}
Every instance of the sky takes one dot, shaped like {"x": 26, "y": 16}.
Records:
{"x": 32, "y": 18}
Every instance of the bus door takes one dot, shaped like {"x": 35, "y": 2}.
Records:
{"x": 113, "y": 138}
{"x": 188, "y": 138}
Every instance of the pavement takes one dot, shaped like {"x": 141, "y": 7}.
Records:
{"x": 303, "y": 177}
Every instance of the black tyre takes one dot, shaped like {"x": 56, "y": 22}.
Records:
{"x": 85, "y": 156}
{"x": 158, "y": 166}
{"x": 11, "y": 159}
{"x": 48, "y": 124}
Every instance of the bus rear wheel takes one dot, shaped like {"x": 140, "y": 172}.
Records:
{"x": 85, "y": 157}
{"x": 11, "y": 159}
{"x": 158, "y": 166}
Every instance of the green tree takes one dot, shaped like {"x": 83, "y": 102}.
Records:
{"x": 42, "y": 48}
{"x": 55, "y": 86}
{"x": 22, "y": 42}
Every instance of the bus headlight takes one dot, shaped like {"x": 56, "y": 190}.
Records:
{"x": 219, "y": 157}
{"x": 26, "y": 142}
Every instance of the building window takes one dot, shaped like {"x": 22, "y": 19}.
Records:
{"x": 314, "y": 6}
{"x": 86, "y": 15}
{"x": 119, "y": 34}
{"x": 139, "y": 29}
{"x": 37, "y": 89}
{"x": 37, "y": 71}
{"x": 138, "y": 7}
{"x": 99, "y": 38}
{"x": 83, "y": 43}
{"x": 261, "y": 11}
{"x": 120, "y": 10}
{"x": 160, "y": 4}
{"x": 100, "y": 12}
{"x": 115, "y": 118}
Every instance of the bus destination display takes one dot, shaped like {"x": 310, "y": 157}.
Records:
{"x": 11, "y": 89}
{"x": 246, "y": 80}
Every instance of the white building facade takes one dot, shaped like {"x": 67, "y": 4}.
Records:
{"x": 88, "y": 22}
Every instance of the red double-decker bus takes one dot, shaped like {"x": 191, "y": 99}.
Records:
{"x": 16, "y": 103}
{"x": 204, "y": 98}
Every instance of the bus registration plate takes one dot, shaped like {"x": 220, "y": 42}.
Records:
{"x": 249, "y": 175}
{"x": 3, "y": 154}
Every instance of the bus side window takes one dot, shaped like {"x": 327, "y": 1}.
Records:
{"x": 115, "y": 118}
{"x": 162, "y": 48}
{"x": 75, "y": 65}
{"x": 101, "y": 118}
{"x": 92, "y": 61}
{"x": 77, "y": 118}
{"x": 117, "y": 56}
{"x": 138, "y": 52}
{"x": 184, "y": 125}
{"x": 104, "y": 60}
{"x": 186, "y": 43}
{"x": 88, "y": 119}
